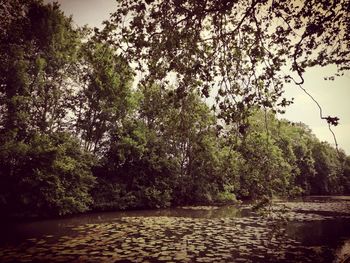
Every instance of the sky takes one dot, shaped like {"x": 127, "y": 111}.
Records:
{"x": 333, "y": 96}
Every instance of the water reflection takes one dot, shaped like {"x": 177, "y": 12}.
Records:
{"x": 333, "y": 234}
{"x": 19, "y": 231}
{"x": 320, "y": 232}
{"x": 324, "y": 198}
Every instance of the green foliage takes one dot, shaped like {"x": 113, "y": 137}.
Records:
{"x": 264, "y": 170}
{"x": 75, "y": 135}
{"x": 105, "y": 95}
{"x": 234, "y": 46}
{"x": 39, "y": 51}
{"x": 346, "y": 174}
{"x": 328, "y": 170}
{"x": 47, "y": 175}
{"x": 226, "y": 197}
{"x": 109, "y": 195}
{"x": 314, "y": 167}
{"x": 134, "y": 165}
{"x": 43, "y": 170}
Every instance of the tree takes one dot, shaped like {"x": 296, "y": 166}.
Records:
{"x": 169, "y": 154}
{"x": 264, "y": 171}
{"x": 135, "y": 171}
{"x": 328, "y": 170}
{"x": 43, "y": 169}
{"x": 346, "y": 175}
{"x": 239, "y": 48}
{"x": 39, "y": 54}
{"x": 75, "y": 134}
{"x": 47, "y": 175}
{"x": 105, "y": 94}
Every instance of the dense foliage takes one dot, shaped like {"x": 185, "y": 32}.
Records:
{"x": 242, "y": 52}
{"x": 75, "y": 134}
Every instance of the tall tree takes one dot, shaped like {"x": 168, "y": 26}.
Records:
{"x": 42, "y": 168}
{"x": 39, "y": 52}
{"x": 328, "y": 170}
{"x": 104, "y": 98}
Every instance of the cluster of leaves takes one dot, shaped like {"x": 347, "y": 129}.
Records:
{"x": 75, "y": 135}
{"x": 244, "y": 51}
{"x": 45, "y": 175}
{"x": 175, "y": 154}
{"x": 43, "y": 168}
{"x": 310, "y": 166}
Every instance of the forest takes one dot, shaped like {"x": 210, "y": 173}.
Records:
{"x": 81, "y": 130}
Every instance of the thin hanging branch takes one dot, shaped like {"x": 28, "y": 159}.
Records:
{"x": 330, "y": 120}
{"x": 307, "y": 93}
{"x": 334, "y": 138}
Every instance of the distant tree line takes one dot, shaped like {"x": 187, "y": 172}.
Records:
{"x": 76, "y": 135}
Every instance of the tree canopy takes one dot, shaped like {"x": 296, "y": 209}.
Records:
{"x": 242, "y": 52}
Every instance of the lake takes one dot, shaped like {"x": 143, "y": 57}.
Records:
{"x": 313, "y": 229}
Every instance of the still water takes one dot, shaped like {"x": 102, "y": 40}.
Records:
{"x": 17, "y": 232}
{"x": 315, "y": 229}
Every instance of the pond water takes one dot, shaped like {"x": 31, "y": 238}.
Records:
{"x": 315, "y": 229}
{"x": 14, "y": 233}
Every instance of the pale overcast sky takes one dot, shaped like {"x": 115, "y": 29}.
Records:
{"x": 333, "y": 96}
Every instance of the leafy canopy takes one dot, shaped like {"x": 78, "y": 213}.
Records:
{"x": 244, "y": 50}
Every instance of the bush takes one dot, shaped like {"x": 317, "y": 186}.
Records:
{"x": 225, "y": 198}
{"x": 48, "y": 175}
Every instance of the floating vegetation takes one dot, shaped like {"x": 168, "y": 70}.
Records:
{"x": 200, "y": 207}
{"x": 177, "y": 239}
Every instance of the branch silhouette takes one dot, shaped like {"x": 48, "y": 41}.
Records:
{"x": 330, "y": 120}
